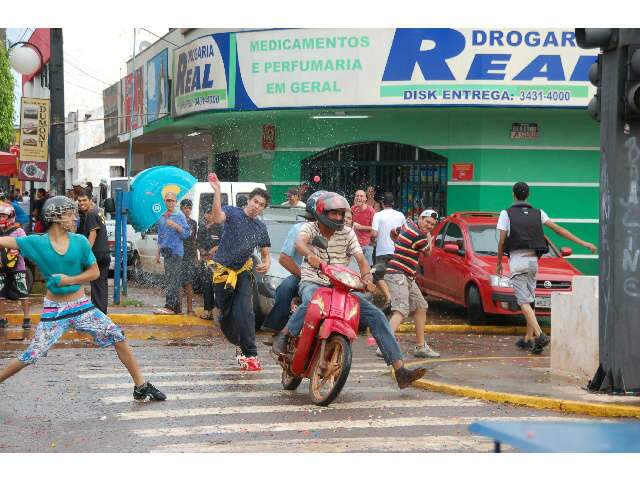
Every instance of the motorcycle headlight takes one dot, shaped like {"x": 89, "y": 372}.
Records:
{"x": 272, "y": 282}
{"x": 348, "y": 279}
{"x": 502, "y": 282}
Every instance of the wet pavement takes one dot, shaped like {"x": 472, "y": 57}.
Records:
{"x": 79, "y": 400}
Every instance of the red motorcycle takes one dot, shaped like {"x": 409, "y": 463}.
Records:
{"x": 322, "y": 351}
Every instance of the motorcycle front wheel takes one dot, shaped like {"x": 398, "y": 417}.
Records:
{"x": 327, "y": 381}
{"x": 289, "y": 382}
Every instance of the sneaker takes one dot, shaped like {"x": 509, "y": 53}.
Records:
{"x": 280, "y": 343}
{"x": 240, "y": 358}
{"x": 524, "y": 345}
{"x": 26, "y": 323}
{"x": 252, "y": 364}
{"x": 3, "y": 322}
{"x": 539, "y": 343}
{"x": 425, "y": 352}
{"x": 147, "y": 390}
{"x": 379, "y": 353}
{"x": 406, "y": 377}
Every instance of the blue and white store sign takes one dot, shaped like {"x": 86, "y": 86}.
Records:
{"x": 200, "y": 76}
{"x": 414, "y": 66}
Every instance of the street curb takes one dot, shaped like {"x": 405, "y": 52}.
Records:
{"x": 135, "y": 319}
{"x": 191, "y": 321}
{"x": 481, "y": 330}
{"x": 540, "y": 403}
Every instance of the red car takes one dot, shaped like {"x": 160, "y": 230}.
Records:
{"x": 462, "y": 268}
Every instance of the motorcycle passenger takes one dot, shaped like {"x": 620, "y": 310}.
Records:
{"x": 291, "y": 261}
{"x": 329, "y": 212}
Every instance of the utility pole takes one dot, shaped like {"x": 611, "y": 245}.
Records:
{"x": 617, "y": 107}
{"x": 56, "y": 86}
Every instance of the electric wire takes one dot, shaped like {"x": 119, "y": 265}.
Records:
{"x": 159, "y": 37}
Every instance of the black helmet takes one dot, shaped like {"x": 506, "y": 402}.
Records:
{"x": 55, "y": 207}
{"x": 326, "y": 203}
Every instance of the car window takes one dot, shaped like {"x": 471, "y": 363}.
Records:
{"x": 454, "y": 236}
{"x": 242, "y": 199}
{"x": 485, "y": 238}
{"x": 277, "y": 233}
{"x": 440, "y": 237}
{"x": 206, "y": 202}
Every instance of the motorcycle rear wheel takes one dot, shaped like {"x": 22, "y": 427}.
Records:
{"x": 289, "y": 382}
{"x": 326, "y": 384}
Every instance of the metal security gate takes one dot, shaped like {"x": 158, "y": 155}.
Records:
{"x": 416, "y": 177}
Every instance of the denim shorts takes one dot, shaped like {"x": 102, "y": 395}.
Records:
{"x": 58, "y": 317}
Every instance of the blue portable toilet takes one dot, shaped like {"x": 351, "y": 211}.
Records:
{"x": 148, "y": 188}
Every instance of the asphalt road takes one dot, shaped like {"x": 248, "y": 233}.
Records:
{"x": 79, "y": 400}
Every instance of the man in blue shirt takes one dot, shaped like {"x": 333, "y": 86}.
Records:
{"x": 172, "y": 230}
{"x": 233, "y": 277}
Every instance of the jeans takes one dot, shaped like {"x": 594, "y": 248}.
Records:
{"x": 279, "y": 314}
{"x": 237, "y": 319}
{"x": 172, "y": 270}
{"x": 368, "y": 254}
{"x": 206, "y": 278}
{"x": 377, "y": 321}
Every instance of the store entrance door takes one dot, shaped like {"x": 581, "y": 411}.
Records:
{"x": 416, "y": 177}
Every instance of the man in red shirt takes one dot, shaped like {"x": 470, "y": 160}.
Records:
{"x": 362, "y": 220}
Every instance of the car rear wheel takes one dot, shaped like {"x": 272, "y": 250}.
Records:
{"x": 475, "y": 311}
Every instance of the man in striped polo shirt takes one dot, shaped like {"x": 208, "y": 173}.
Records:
{"x": 406, "y": 298}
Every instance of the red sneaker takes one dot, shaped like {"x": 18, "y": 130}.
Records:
{"x": 251, "y": 364}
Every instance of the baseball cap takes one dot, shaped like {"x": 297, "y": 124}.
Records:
{"x": 429, "y": 212}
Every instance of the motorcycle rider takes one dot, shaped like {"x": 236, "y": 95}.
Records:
{"x": 329, "y": 212}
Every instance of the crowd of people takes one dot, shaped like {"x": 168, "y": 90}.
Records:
{"x": 370, "y": 236}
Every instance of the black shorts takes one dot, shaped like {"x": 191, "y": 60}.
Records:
{"x": 188, "y": 270}
{"x": 13, "y": 285}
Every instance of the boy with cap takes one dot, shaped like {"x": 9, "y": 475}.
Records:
{"x": 66, "y": 262}
{"x": 522, "y": 239}
{"x": 410, "y": 240}
{"x": 172, "y": 230}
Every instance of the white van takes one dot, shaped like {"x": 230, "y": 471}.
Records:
{"x": 202, "y": 197}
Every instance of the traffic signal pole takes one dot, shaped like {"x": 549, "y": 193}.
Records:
{"x": 619, "y": 281}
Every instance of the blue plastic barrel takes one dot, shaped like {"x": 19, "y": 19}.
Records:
{"x": 146, "y": 203}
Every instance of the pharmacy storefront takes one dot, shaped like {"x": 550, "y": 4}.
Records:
{"x": 441, "y": 117}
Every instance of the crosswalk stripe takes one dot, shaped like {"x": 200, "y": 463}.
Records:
{"x": 338, "y": 445}
{"x": 397, "y": 422}
{"x": 207, "y": 373}
{"x": 204, "y": 364}
{"x": 249, "y": 409}
{"x": 151, "y": 364}
{"x": 254, "y": 394}
{"x": 191, "y": 383}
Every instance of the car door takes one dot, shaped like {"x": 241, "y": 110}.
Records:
{"x": 453, "y": 266}
{"x": 147, "y": 249}
{"x": 429, "y": 278}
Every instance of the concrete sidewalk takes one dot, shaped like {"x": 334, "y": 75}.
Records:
{"x": 491, "y": 367}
